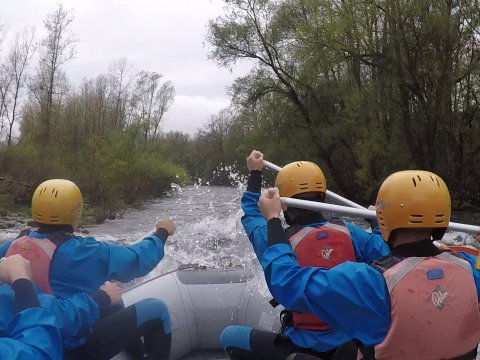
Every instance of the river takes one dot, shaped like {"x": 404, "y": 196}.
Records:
{"x": 209, "y": 232}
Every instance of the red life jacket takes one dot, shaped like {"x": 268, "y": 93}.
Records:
{"x": 325, "y": 246}
{"x": 434, "y": 309}
{"x": 39, "y": 252}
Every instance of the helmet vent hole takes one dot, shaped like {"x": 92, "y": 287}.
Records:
{"x": 414, "y": 182}
{"x": 419, "y": 178}
{"x": 416, "y": 219}
{"x": 438, "y": 184}
{"x": 56, "y": 193}
{"x": 303, "y": 186}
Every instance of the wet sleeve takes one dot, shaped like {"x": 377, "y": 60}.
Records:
{"x": 103, "y": 301}
{"x": 25, "y": 295}
{"x": 255, "y": 181}
{"x": 126, "y": 263}
{"x": 32, "y": 334}
{"x": 351, "y": 297}
{"x": 253, "y": 222}
{"x": 368, "y": 246}
{"x": 74, "y": 314}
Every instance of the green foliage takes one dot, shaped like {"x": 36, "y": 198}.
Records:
{"x": 112, "y": 172}
{"x": 362, "y": 88}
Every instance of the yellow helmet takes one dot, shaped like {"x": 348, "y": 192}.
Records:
{"x": 413, "y": 199}
{"x": 57, "y": 202}
{"x": 300, "y": 177}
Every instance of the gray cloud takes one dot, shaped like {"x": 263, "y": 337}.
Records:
{"x": 166, "y": 36}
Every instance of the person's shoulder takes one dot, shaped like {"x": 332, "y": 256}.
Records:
{"x": 79, "y": 240}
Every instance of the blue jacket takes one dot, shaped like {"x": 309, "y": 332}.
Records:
{"x": 83, "y": 264}
{"x": 357, "y": 289}
{"x": 367, "y": 246}
{"x": 74, "y": 316}
{"x": 31, "y": 334}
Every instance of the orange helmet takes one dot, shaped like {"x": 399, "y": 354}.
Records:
{"x": 300, "y": 177}
{"x": 413, "y": 199}
{"x": 57, "y": 202}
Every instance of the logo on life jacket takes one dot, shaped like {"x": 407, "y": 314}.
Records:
{"x": 326, "y": 253}
{"x": 439, "y": 297}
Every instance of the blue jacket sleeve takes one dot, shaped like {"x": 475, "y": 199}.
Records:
{"x": 253, "y": 222}
{"x": 32, "y": 334}
{"x": 91, "y": 262}
{"x": 476, "y": 273}
{"x": 348, "y": 296}
{"x": 368, "y": 246}
{"x": 128, "y": 263}
{"x": 4, "y": 247}
{"x": 75, "y": 314}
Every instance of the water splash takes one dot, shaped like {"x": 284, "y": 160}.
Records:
{"x": 209, "y": 232}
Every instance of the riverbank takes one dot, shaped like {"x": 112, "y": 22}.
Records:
{"x": 20, "y": 216}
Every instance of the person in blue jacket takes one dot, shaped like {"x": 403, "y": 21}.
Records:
{"x": 31, "y": 332}
{"x": 311, "y": 235}
{"x": 70, "y": 316}
{"x": 418, "y": 303}
{"x": 64, "y": 264}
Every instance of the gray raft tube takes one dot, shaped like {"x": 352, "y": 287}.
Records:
{"x": 201, "y": 304}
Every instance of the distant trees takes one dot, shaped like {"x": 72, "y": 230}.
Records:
{"x": 105, "y": 134}
{"x": 363, "y": 88}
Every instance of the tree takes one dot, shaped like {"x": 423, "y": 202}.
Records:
{"x": 121, "y": 78}
{"x": 57, "y": 48}
{"x": 305, "y": 96}
{"x": 210, "y": 145}
{"x": 21, "y": 52}
{"x": 150, "y": 100}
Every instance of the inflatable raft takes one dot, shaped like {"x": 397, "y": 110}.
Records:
{"x": 202, "y": 303}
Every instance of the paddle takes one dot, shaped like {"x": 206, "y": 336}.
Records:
{"x": 364, "y": 213}
{"x": 357, "y": 210}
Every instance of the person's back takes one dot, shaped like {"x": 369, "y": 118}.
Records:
{"x": 82, "y": 263}
{"x": 65, "y": 264}
{"x": 419, "y": 303}
{"x": 315, "y": 241}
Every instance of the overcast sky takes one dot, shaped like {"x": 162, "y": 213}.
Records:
{"x": 166, "y": 36}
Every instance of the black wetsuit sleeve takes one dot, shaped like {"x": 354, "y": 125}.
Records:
{"x": 25, "y": 295}
{"x": 162, "y": 234}
{"x": 255, "y": 181}
{"x": 103, "y": 301}
{"x": 276, "y": 234}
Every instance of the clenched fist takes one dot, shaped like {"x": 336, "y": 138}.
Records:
{"x": 166, "y": 224}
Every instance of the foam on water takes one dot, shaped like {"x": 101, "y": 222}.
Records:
{"x": 209, "y": 232}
